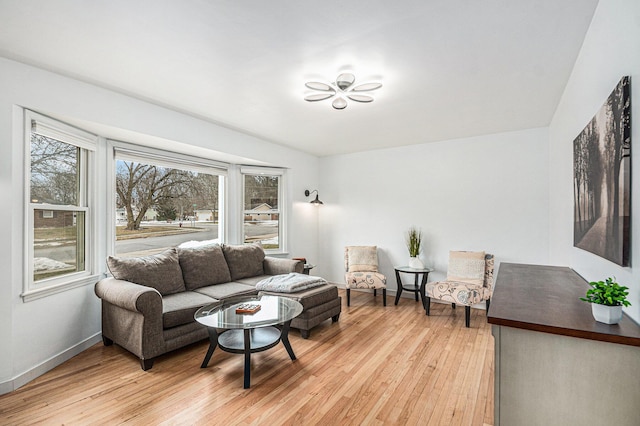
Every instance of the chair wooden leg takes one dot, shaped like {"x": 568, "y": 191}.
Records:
{"x": 384, "y": 297}
{"x": 348, "y": 297}
{"x": 467, "y": 316}
{"x": 488, "y": 302}
{"x": 453, "y": 305}
{"x": 375, "y": 292}
{"x": 427, "y": 304}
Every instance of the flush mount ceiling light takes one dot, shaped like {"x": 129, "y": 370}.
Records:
{"x": 341, "y": 90}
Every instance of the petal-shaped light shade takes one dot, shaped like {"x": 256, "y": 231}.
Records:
{"x": 339, "y": 103}
{"x": 366, "y": 87}
{"x": 345, "y": 80}
{"x": 316, "y": 85}
{"x": 360, "y": 98}
{"x": 318, "y": 97}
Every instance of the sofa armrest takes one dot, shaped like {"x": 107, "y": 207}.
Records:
{"x": 130, "y": 296}
{"x": 278, "y": 266}
{"x": 132, "y": 318}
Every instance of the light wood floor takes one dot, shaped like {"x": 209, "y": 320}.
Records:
{"x": 377, "y": 365}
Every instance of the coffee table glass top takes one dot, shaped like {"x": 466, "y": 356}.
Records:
{"x": 273, "y": 310}
{"x": 409, "y": 269}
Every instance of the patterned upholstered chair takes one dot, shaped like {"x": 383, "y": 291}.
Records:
{"x": 469, "y": 281}
{"x": 361, "y": 264}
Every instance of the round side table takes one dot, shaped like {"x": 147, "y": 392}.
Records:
{"x": 417, "y": 289}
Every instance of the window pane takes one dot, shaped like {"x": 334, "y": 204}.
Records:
{"x": 58, "y": 243}
{"x": 160, "y": 207}
{"x": 261, "y": 214}
{"x": 55, "y": 170}
{"x": 261, "y": 191}
{"x": 263, "y": 228}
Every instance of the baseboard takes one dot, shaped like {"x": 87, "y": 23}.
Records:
{"x": 48, "y": 365}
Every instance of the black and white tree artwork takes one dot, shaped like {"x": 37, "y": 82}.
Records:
{"x": 602, "y": 179}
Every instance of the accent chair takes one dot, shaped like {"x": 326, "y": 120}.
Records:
{"x": 361, "y": 264}
{"x": 469, "y": 281}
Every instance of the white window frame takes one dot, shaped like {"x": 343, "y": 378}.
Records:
{"x": 147, "y": 155}
{"x": 86, "y": 203}
{"x": 282, "y": 204}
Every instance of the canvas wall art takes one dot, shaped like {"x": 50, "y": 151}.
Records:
{"x": 602, "y": 179}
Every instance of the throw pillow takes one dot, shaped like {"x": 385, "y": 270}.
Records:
{"x": 160, "y": 271}
{"x": 362, "y": 258}
{"x": 244, "y": 261}
{"x": 203, "y": 266}
{"x": 466, "y": 267}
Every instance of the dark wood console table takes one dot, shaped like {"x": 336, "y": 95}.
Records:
{"x": 554, "y": 364}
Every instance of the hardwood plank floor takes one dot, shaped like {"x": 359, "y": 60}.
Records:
{"x": 377, "y": 365}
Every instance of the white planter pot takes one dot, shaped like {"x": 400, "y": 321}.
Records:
{"x": 606, "y": 314}
{"x": 415, "y": 263}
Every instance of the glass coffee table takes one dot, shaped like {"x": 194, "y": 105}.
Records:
{"x": 247, "y": 333}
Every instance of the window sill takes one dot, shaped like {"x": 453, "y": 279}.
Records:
{"x": 276, "y": 253}
{"x": 31, "y": 295}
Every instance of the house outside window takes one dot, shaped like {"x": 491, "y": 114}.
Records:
{"x": 263, "y": 213}
{"x": 59, "y": 160}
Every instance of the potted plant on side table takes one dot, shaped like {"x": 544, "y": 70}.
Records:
{"x": 414, "y": 243}
{"x": 607, "y": 298}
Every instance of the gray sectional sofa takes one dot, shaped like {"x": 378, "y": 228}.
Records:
{"x": 148, "y": 305}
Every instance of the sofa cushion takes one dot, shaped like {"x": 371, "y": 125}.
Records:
{"x": 160, "y": 271}
{"x": 244, "y": 260}
{"x": 202, "y": 266}
{"x": 227, "y": 290}
{"x": 179, "y": 308}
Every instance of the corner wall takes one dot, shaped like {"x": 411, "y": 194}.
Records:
{"x": 482, "y": 193}
{"x": 611, "y": 49}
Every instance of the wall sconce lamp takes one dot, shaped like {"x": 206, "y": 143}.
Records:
{"x": 315, "y": 202}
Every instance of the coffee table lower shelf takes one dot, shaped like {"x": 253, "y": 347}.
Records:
{"x": 248, "y": 341}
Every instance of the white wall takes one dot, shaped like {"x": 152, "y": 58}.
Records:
{"x": 482, "y": 193}
{"x": 38, "y": 334}
{"x": 611, "y": 50}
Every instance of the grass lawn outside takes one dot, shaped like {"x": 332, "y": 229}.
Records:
{"x": 68, "y": 234}
{"x": 152, "y": 231}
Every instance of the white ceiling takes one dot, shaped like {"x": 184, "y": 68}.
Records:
{"x": 450, "y": 68}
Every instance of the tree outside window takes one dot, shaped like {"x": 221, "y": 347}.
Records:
{"x": 159, "y": 207}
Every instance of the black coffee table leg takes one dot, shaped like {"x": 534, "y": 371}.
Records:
{"x": 247, "y": 358}
{"x": 399, "y": 283}
{"x": 213, "y": 343}
{"x": 415, "y": 285}
{"x": 423, "y": 294}
{"x": 285, "y": 340}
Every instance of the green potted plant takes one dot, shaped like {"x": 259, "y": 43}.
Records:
{"x": 414, "y": 244}
{"x": 607, "y": 299}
